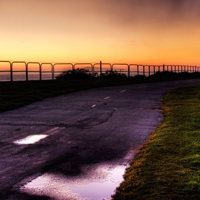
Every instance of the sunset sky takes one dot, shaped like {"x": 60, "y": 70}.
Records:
{"x": 128, "y": 31}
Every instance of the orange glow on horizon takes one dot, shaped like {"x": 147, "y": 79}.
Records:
{"x": 89, "y": 31}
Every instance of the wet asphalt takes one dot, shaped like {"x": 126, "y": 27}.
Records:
{"x": 84, "y": 128}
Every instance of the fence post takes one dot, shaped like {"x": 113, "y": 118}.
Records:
{"x": 149, "y": 70}
{"x": 111, "y": 67}
{"x": 163, "y": 67}
{"x": 137, "y": 69}
{"x": 100, "y": 67}
{"x": 11, "y": 72}
{"x": 128, "y": 71}
{"x": 52, "y": 68}
{"x": 143, "y": 70}
{"x": 40, "y": 71}
{"x": 26, "y": 71}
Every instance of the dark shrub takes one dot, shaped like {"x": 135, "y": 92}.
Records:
{"x": 140, "y": 77}
{"x": 165, "y": 74}
{"x": 113, "y": 74}
{"x": 75, "y": 74}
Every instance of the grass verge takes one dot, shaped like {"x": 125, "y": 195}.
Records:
{"x": 168, "y": 165}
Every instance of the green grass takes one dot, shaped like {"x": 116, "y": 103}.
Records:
{"x": 17, "y": 94}
{"x": 168, "y": 165}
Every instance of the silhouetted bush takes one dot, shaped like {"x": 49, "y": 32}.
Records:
{"x": 158, "y": 76}
{"x": 86, "y": 74}
{"x": 166, "y": 75}
{"x": 112, "y": 74}
{"x": 140, "y": 77}
{"x": 75, "y": 74}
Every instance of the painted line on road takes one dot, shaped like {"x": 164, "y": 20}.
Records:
{"x": 32, "y": 139}
{"x": 93, "y": 106}
{"x": 107, "y": 98}
{"x": 123, "y": 91}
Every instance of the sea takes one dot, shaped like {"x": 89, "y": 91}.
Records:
{"x": 22, "y": 76}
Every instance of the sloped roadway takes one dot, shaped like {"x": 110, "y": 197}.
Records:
{"x": 83, "y": 128}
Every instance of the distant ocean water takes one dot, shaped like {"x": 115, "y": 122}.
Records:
{"x": 22, "y": 76}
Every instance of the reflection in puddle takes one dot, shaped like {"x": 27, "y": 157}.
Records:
{"x": 98, "y": 189}
{"x": 100, "y": 184}
{"x": 31, "y": 139}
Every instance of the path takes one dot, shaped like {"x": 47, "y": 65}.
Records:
{"x": 83, "y": 129}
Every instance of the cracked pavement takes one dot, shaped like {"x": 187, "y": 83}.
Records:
{"x": 83, "y": 128}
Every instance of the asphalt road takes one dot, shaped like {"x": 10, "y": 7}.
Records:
{"x": 83, "y": 128}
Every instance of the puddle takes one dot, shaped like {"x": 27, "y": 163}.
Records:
{"x": 99, "y": 190}
{"x": 99, "y": 184}
{"x": 31, "y": 139}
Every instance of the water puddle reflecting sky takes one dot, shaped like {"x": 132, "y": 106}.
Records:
{"x": 99, "y": 185}
{"x": 31, "y": 139}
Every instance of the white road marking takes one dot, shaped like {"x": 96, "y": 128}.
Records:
{"x": 107, "y": 98}
{"x": 123, "y": 91}
{"x": 93, "y": 106}
{"x": 31, "y": 139}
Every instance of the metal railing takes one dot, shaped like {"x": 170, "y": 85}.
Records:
{"x": 10, "y": 69}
